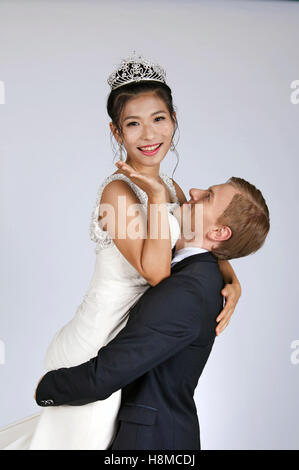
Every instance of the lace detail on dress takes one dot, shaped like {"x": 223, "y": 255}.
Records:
{"x": 171, "y": 187}
{"x": 101, "y": 237}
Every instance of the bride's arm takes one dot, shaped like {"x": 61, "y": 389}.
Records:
{"x": 149, "y": 250}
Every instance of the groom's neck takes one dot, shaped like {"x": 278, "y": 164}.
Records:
{"x": 180, "y": 244}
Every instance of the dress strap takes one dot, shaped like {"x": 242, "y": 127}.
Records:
{"x": 168, "y": 181}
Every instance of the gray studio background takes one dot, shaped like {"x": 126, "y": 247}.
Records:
{"x": 230, "y": 65}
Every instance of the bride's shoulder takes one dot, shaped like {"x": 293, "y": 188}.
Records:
{"x": 119, "y": 184}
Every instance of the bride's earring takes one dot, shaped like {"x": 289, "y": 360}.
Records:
{"x": 172, "y": 146}
{"x": 121, "y": 152}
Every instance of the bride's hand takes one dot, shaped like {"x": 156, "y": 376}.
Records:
{"x": 147, "y": 183}
{"x": 232, "y": 293}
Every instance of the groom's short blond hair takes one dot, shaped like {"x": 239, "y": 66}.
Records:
{"x": 248, "y": 217}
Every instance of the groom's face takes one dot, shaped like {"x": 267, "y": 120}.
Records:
{"x": 202, "y": 211}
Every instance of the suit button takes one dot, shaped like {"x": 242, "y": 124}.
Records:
{"x": 47, "y": 402}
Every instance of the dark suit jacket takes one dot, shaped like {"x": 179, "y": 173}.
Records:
{"x": 156, "y": 359}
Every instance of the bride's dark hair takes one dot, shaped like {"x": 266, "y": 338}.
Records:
{"x": 118, "y": 98}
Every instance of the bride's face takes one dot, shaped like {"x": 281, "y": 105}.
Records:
{"x": 147, "y": 130}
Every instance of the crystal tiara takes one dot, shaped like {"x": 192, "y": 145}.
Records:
{"x": 134, "y": 69}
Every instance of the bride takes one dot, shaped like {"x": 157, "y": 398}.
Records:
{"x": 143, "y": 122}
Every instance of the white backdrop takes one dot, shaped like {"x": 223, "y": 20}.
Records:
{"x": 230, "y": 65}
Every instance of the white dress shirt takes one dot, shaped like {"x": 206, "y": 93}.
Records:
{"x": 187, "y": 251}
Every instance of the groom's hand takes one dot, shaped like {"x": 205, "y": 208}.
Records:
{"x": 39, "y": 393}
{"x": 37, "y": 387}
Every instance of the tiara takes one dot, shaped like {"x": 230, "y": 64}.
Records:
{"x": 134, "y": 69}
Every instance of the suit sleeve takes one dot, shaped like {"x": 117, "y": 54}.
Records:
{"x": 164, "y": 321}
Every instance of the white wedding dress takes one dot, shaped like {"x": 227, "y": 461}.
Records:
{"x": 115, "y": 286}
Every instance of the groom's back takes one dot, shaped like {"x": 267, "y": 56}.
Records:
{"x": 158, "y": 410}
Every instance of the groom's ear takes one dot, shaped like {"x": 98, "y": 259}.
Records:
{"x": 220, "y": 234}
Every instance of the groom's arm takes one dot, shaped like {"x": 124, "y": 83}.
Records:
{"x": 164, "y": 321}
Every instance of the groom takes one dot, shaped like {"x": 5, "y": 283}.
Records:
{"x": 158, "y": 357}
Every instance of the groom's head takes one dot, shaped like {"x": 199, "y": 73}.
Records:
{"x": 231, "y": 220}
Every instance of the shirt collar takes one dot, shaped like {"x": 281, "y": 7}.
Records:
{"x": 187, "y": 251}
